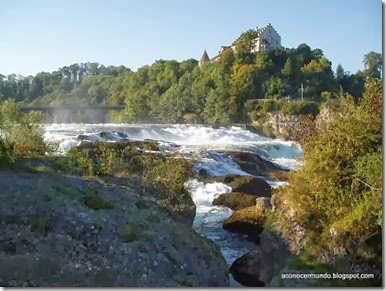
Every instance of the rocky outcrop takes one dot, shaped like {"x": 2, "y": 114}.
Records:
{"x": 65, "y": 231}
{"x": 235, "y": 200}
{"x": 245, "y": 184}
{"x": 246, "y": 269}
{"x": 283, "y": 125}
{"x": 258, "y": 268}
{"x": 248, "y": 221}
{"x": 253, "y": 163}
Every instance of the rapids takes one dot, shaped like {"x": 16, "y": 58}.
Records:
{"x": 207, "y": 145}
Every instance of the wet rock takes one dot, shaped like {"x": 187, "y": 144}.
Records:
{"x": 106, "y": 135}
{"x": 203, "y": 173}
{"x": 245, "y": 184}
{"x": 253, "y": 164}
{"x": 122, "y": 135}
{"x": 246, "y": 269}
{"x": 235, "y": 200}
{"x": 248, "y": 221}
{"x": 274, "y": 255}
{"x": 82, "y": 137}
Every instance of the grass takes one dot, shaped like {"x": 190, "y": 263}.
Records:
{"x": 129, "y": 234}
{"x": 153, "y": 218}
{"x": 39, "y": 225}
{"x": 97, "y": 202}
{"x": 141, "y": 204}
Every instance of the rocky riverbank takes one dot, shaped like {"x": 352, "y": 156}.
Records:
{"x": 67, "y": 231}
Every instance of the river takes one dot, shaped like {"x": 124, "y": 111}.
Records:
{"x": 208, "y": 146}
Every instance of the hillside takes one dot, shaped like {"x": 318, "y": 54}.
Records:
{"x": 223, "y": 91}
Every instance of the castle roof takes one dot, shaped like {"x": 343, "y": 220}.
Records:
{"x": 204, "y": 58}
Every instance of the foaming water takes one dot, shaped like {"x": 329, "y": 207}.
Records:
{"x": 209, "y": 219}
{"x": 190, "y": 138}
{"x": 208, "y": 147}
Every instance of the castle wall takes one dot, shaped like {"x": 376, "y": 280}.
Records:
{"x": 271, "y": 35}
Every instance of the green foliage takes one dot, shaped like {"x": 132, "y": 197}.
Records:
{"x": 373, "y": 65}
{"x": 300, "y": 108}
{"x": 170, "y": 92}
{"x": 39, "y": 224}
{"x": 130, "y": 233}
{"x": 152, "y": 217}
{"x": 337, "y": 193}
{"x": 141, "y": 204}
{"x": 20, "y": 133}
{"x": 168, "y": 175}
{"x": 95, "y": 199}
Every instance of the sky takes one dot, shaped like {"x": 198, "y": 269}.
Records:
{"x": 44, "y": 35}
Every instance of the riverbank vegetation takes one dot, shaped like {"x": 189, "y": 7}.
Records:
{"x": 336, "y": 197}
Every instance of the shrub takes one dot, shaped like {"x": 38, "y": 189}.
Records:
{"x": 191, "y": 118}
{"x": 269, "y": 106}
{"x": 338, "y": 192}
{"x": 300, "y": 108}
{"x": 129, "y": 234}
{"x": 21, "y": 135}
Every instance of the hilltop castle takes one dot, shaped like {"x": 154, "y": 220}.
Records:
{"x": 267, "y": 39}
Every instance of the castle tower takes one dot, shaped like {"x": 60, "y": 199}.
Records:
{"x": 204, "y": 58}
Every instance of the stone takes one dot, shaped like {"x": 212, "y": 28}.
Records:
{"x": 82, "y": 246}
{"x": 235, "y": 200}
{"x": 246, "y": 269}
{"x": 203, "y": 173}
{"x": 248, "y": 221}
{"x": 245, "y": 184}
{"x": 253, "y": 163}
{"x": 262, "y": 203}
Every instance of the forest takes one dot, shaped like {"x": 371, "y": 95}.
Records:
{"x": 230, "y": 90}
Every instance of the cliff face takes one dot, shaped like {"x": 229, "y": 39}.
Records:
{"x": 68, "y": 231}
{"x": 282, "y": 125}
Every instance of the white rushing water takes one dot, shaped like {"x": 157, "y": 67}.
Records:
{"x": 207, "y": 146}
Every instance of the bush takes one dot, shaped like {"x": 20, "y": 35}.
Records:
{"x": 338, "y": 192}
{"x": 256, "y": 109}
{"x": 191, "y": 118}
{"x": 21, "y": 135}
{"x": 269, "y": 106}
{"x": 300, "y": 108}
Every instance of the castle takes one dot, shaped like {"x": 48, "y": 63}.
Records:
{"x": 267, "y": 39}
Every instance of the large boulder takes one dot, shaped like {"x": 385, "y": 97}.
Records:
{"x": 253, "y": 163}
{"x": 235, "y": 200}
{"x": 51, "y": 236}
{"x": 246, "y": 269}
{"x": 248, "y": 221}
{"x": 259, "y": 268}
{"x": 245, "y": 184}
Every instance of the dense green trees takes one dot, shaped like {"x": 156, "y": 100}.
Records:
{"x": 171, "y": 91}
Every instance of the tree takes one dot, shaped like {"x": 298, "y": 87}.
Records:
{"x": 274, "y": 88}
{"x": 373, "y": 65}
{"x": 289, "y": 68}
{"x": 244, "y": 46}
{"x": 340, "y": 73}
